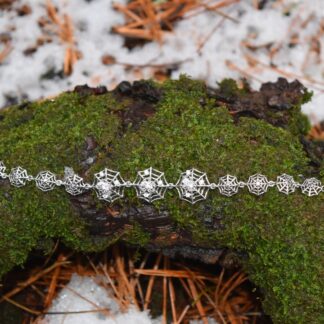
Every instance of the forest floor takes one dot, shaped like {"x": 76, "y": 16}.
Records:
{"x": 47, "y": 47}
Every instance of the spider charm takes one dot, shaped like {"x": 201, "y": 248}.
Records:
{"x": 18, "y": 177}
{"x": 45, "y": 181}
{"x": 193, "y": 186}
{"x": 286, "y": 184}
{"x": 74, "y": 185}
{"x": 109, "y": 185}
{"x": 258, "y": 184}
{"x": 150, "y": 184}
{"x": 228, "y": 185}
{"x": 311, "y": 187}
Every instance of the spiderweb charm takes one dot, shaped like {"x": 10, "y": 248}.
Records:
{"x": 45, "y": 180}
{"x": 286, "y": 184}
{"x": 109, "y": 185}
{"x": 150, "y": 184}
{"x": 73, "y": 184}
{"x": 193, "y": 186}
{"x": 258, "y": 184}
{"x": 228, "y": 185}
{"x": 18, "y": 177}
{"x": 311, "y": 187}
{"x": 2, "y": 170}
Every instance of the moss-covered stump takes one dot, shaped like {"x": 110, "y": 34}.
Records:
{"x": 172, "y": 127}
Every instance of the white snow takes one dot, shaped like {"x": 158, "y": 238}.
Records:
{"x": 84, "y": 293}
{"x": 223, "y": 55}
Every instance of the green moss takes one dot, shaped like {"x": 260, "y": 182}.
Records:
{"x": 229, "y": 88}
{"x": 281, "y": 234}
{"x": 299, "y": 123}
{"x": 307, "y": 97}
{"x": 136, "y": 235}
{"x": 48, "y": 136}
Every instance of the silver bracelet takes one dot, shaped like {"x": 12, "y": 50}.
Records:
{"x": 150, "y": 184}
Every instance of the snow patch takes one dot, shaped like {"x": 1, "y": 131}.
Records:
{"x": 85, "y": 294}
{"x": 222, "y": 56}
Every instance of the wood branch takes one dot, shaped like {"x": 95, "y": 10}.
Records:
{"x": 172, "y": 127}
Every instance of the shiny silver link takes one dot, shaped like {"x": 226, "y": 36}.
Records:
{"x": 59, "y": 183}
{"x": 242, "y": 184}
{"x": 150, "y": 184}
{"x": 129, "y": 184}
{"x": 168, "y": 185}
{"x": 213, "y": 186}
{"x": 88, "y": 186}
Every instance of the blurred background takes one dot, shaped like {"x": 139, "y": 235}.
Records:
{"x": 47, "y": 47}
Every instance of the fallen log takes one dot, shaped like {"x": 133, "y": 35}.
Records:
{"x": 172, "y": 127}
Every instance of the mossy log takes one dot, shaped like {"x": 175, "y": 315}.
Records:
{"x": 172, "y": 127}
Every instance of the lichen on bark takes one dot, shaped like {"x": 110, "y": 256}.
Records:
{"x": 172, "y": 127}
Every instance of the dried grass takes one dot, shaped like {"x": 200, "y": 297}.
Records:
{"x": 58, "y": 25}
{"x": 317, "y": 132}
{"x": 186, "y": 293}
{"x": 4, "y": 53}
{"x": 151, "y": 20}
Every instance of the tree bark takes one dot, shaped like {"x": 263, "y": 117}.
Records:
{"x": 172, "y": 127}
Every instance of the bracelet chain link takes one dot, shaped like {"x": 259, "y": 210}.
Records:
{"x": 150, "y": 184}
